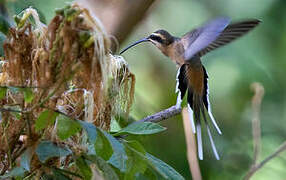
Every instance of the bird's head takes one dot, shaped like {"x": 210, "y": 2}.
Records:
{"x": 161, "y": 39}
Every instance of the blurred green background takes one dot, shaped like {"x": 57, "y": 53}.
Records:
{"x": 257, "y": 57}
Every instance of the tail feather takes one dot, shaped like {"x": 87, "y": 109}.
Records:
{"x": 210, "y": 135}
{"x": 181, "y": 86}
{"x": 199, "y": 140}
{"x": 197, "y": 112}
{"x": 190, "y": 106}
{"x": 207, "y": 101}
{"x": 197, "y": 104}
{"x": 212, "y": 143}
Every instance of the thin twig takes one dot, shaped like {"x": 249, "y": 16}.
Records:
{"x": 255, "y": 168}
{"x": 191, "y": 147}
{"x": 162, "y": 115}
{"x": 256, "y": 130}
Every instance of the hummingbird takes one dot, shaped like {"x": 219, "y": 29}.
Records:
{"x": 192, "y": 77}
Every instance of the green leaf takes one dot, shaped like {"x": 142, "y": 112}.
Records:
{"x": 83, "y": 168}
{"x": 114, "y": 126}
{"x": 28, "y": 95}
{"x": 16, "y": 172}
{"x": 106, "y": 169}
{"x": 136, "y": 162}
{"x": 139, "y": 128}
{"x": 4, "y": 25}
{"x": 47, "y": 149}
{"x": 26, "y": 159}
{"x": 102, "y": 146}
{"x": 163, "y": 169}
{"x": 58, "y": 175}
{"x": 66, "y": 127}
{"x": 119, "y": 157}
{"x": 46, "y": 118}
{"x": 136, "y": 146}
{"x": 2, "y": 92}
{"x": 90, "y": 130}
{"x": 148, "y": 174}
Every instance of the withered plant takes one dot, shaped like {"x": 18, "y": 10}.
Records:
{"x": 60, "y": 90}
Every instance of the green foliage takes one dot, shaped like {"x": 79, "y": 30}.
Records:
{"x": 119, "y": 157}
{"x": 46, "y": 118}
{"x": 136, "y": 162}
{"x": 83, "y": 167}
{"x": 107, "y": 170}
{"x": 28, "y": 95}
{"x": 141, "y": 128}
{"x": 4, "y": 25}
{"x": 116, "y": 159}
{"x": 163, "y": 169}
{"x": 90, "y": 130}
{"x": 27, "y": 92}
{"x": 3, "y": 92}
{"x": 58, "y": 175}
{"x": 26, "y": 159}
{"x": 47, "y": 149}
{"x": 66, "y": 127}
{"x": 102, "y": 146}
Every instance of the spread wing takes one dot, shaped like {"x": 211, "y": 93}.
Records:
{"x": 231, "y": 32}
{"x": 215, "y": 34}
{"x": 200, "y": 38}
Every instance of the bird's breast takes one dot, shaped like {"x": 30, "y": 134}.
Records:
{"x": 176, "y": 51}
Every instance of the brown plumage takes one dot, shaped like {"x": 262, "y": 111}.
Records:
{"x": 192, "y": 77}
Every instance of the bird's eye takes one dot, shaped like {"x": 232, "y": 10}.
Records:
{"x": 156, "y": 38}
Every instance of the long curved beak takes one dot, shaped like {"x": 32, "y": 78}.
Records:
{"x": 131, "y": 45}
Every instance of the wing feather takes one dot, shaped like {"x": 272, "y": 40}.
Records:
{"x": 231, "y": 33}
{"x": 200, "y": 38}
{"x": 215, "y": 34}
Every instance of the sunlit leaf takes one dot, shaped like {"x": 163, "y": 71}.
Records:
{"x": 107, "y": 170}
{"x": 26, "y": 159}
{"x": 2, "y": 92}
{"x": 140, "y": 128}
{"x": 83, "y": 168}
{"x": 102, "y": 146}
{"x": 66, "y": 127}
{"x": 90, "y": 130}
{"x": 163, "y": 169}
{"x": 46, "y": 118}
{"x": 47, "y": 149}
